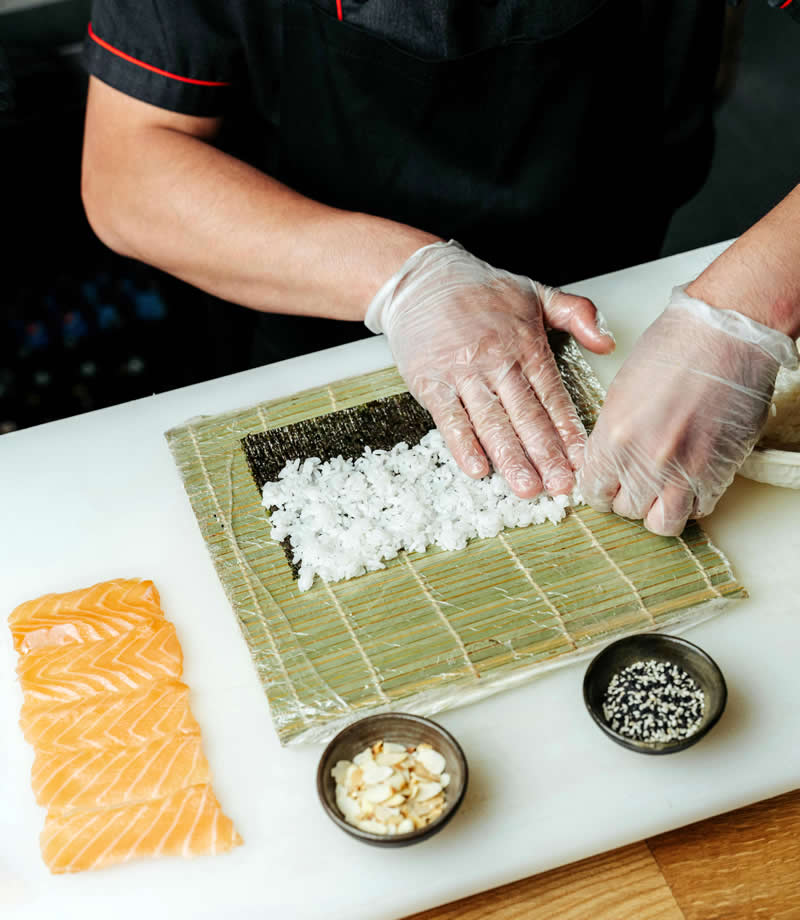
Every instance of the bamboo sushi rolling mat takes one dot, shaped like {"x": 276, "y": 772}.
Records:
{"x": 435, "y": 629}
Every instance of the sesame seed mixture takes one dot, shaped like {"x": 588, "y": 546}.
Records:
{"x": 653, "y": 701}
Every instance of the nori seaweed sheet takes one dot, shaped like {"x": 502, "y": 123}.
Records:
{"x": 379, "y": 424}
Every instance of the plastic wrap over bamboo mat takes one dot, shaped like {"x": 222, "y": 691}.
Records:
{"x": 436, "y": 629}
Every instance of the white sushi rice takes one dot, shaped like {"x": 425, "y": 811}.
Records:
{"x": 782, "y": 428}
{"x": 345, "y": 517}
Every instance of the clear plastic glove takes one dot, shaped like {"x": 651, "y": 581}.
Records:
{"x": 682, "y": 414}
{"x": 470, "y": 342}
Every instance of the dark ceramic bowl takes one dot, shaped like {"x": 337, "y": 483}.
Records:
{"x": 673, "y": 650}
{"x": 402, "y": 729}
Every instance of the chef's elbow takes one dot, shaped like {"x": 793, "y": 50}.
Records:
{"x": 102, "y": 207}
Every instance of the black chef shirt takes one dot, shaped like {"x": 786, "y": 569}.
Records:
{"x": 254, "y": 65}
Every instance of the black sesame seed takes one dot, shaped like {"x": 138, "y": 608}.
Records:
{"x": 653, "y": 701}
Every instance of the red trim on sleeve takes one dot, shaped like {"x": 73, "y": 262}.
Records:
{"x": 163, "y": 73}
{"x": 339, "y": 9}
{"x": 784, "y": 5}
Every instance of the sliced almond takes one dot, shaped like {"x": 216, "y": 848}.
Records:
{"x": 379, "y": 793}
{"x": 428, "y": 791}
{"x": 366, "y": 807}
{"x": 397, "y": 781}
{"x": 423, "y": 774}
{"x": 347, "y": 806}
{"x": 389, "y": 747}
{"x": 390, "y": 788}
{"x": 339, "y": 772}
{"x": 355, "y": 778}
{"x": 431, "y": 760}
{"x": 429, "y": 806}
{"x": 382, "y": 813}
{"x": 362, "y": 759}
{"x": 374, "y": 773}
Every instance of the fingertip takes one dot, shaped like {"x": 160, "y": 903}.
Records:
{"x": 524, "y": 484}
{"x": 455, "y": 427}
{"x": 576, "y": 453}
{"x": 597, "y": 340}
{"x": 600, "y": 345}
{"x": 662, "y": 528}
{"x": 657, "y": 521}
{"x": 598, "y": 494}
{"x": 602, "y": 326}
{"x": 560, "y": 487}
{"x": 471, "y": 460}
{"x": 597, "y": 504}
{"x": 589, "y": 326}
{"x": 476, "y": 467}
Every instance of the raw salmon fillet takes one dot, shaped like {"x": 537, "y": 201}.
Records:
{"x": 106, "y": 777}
{"x": 110, "y": 719}
{"x": 187, "y": 823}
{"x": 119, "y": 763}
{"x": 100, "y": 612}
{"x": 126, "y": 662}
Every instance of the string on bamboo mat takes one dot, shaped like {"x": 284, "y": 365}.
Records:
{"x": 436, "y": 629}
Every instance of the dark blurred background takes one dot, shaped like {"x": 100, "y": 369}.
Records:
{"x": 82, "y": 328}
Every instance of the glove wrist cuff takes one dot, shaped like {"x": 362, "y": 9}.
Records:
{"x": 376, "y": 318}
{"x": 778, "y": 346}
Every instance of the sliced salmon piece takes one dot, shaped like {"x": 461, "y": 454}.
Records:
{"x": 119, "y": 763}
{"x": 101, "y": 612}
{"x": 107, "y": 777}
{"x": 151, "y": 712}
{"x": 118, "y": 665}
{"x": 187, "y": 823}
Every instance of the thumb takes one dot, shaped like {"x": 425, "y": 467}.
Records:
{"x": 578, "y": 316}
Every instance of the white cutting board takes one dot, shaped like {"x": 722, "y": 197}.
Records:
{"x": 97, "y": 496}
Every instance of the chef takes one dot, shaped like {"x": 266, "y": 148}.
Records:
{"x": 413, "y": 166}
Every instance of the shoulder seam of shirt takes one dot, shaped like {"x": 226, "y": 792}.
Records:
{"x": 164, "y": 73}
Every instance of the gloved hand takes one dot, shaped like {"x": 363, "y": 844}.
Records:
{"x": 682, "y": 414}
{"x": 470, "y": 342}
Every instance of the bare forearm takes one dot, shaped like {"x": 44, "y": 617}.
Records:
{"x": 175, "y": 201}
{"x": 759, "y": 275}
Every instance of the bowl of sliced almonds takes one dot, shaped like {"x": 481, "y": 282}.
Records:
{"x": 392, "y": 779}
